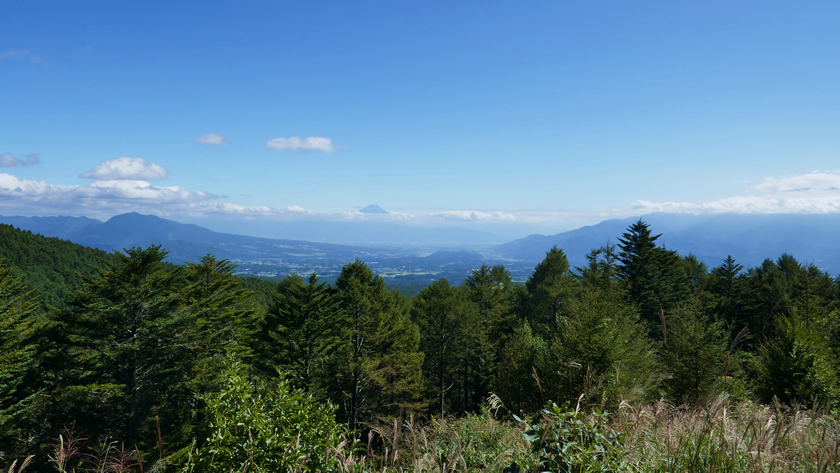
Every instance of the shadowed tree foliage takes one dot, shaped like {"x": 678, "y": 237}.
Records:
{"x": 656, "y": 278}
{"x": 224, "y": 316}
{"x": 549, "y": 289}
{"x": 378, "y": 365}
{"x": 129, "y": 345}
{"x": 601, "y": 350}
{"x": 693, "y": 352}
{"x": 526, "y": 361}
{"x": 440, "y": 312}
{"x": 300, "y": 331}
{"x": 17, "y": 319}
{"x": 797, "y": 365}
{"x": 490, "y": 291}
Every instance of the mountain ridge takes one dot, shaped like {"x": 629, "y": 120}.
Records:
{"x": 749, "y": 238}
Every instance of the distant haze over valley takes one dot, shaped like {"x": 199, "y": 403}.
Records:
{"x": 423, "y": 254}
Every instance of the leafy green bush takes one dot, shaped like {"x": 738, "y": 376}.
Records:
{"x": 567, "y": 441}
{"x": 256, "y": 429}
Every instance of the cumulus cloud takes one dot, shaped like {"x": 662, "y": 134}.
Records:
{"x": 128, "y": 169}
{"x": 99, "y": 198}
{"x": 312, "y": 143}
{"x": 11, "y": 186}
{"x": 7, "y": 160}
{"x": 211, "y": 139}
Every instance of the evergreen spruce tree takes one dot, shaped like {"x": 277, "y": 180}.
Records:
{"x": 656, "y": 277}
{"x": 300, "y": 331}
{"x": 491, "y": 292}
{"x": 17, "y": 319}
{"x": 727, "y": 286}
{"x": 601, "y": 352}
{"x": 440, "y": 311}
{"x": 522, "y": 374}
{"x": 797, "y": 366}
{"x": 223, "y": 316}
{"x": 767, "y": 299}
{"x": 549, "y": 288}
{"x": 378, "y": 364}
{"x": 693, "y": 352}
{"x": 127, "y": 336}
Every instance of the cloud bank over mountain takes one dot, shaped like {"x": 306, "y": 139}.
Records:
{"x": 814, "y": 192}
{"x": 123, "y": 184}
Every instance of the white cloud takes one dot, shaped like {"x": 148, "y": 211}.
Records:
{"x": 97, "y": 199}
{"x": 9, "y": 161}
{"x": 312, "y": 143}
{"x": 11, "y": 186}
{"x": 474, "y": 215}
{"x": 211, "y": 139}
{"x": 813, "y": 181}
{"x": 127, "y": 168}
{"x": 297, "y": 209}
{"x": 815, "y": 192}
{"x": 140, "y": 191}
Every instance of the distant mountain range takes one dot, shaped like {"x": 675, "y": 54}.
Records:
{"x": 749, "y": 238}
{"x": 185, "y": 242}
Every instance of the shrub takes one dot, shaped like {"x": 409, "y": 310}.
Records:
{"x": 567, "y": 441}
{"x": 256, "y": 429}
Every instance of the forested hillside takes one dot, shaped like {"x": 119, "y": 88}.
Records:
{"x": 48, "y": 265}
{"x": 187, "y": 367}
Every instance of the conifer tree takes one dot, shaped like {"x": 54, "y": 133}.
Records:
{"x": 490, "y": 290}
{"x": 767, "y": 298}
{"x": 549, "y": 288}
{"x": 17, "y": 313}
{"x": 656, "y": 277}
{"x": 693, "y": 352}
{"x": 223, "y": 318}
{"x": 601, "y": 352}
{"x": 522, "y": 374}
{"x": 378, "y": 365}
{"x": 126, "y": 330}
{"x": 301, "y": 331}
{"x": 440, "y": 311}
{"x": 727, "y": 286}
{"x": 796, "y": 366}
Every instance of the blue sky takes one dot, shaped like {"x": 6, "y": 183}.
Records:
{"x": 507, "y": 113}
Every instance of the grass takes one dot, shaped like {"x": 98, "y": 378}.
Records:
{"x": 717, "y": 436}
{"x": 721, "y": 437}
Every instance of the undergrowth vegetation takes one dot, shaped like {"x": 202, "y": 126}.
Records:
{"x": 285, "y": 430}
